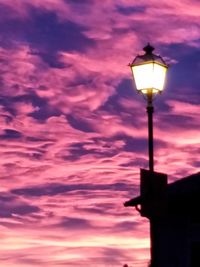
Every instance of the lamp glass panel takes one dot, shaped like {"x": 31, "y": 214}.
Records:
{"x": 149, "y": 76}
{"x": 159, "y": 73}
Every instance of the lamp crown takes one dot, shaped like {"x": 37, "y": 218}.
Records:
{"x": 148, "y": 49}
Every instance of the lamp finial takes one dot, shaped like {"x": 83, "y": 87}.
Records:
{"x": 148, "y": 49}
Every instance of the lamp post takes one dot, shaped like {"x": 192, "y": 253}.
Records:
{"x": 149, "y": 71}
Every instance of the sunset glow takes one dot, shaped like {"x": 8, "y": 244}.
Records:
{"x": 74, "y": 130}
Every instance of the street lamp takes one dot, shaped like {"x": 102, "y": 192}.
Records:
{"x": 149, "y": 71}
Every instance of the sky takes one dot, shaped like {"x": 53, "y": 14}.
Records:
{"x": 73, "y": 130}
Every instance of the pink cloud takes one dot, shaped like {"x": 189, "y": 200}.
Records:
{"x": 63, "y": 170}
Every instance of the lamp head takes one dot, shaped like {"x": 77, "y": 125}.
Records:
{"x": 149, "y": 72}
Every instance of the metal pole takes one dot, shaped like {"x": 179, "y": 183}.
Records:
{"x": 150, "y": 110}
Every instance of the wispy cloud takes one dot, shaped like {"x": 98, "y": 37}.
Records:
{"x": 73, "y": 131}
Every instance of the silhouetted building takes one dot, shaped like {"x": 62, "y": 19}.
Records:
{"x": 174, "y": 214}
